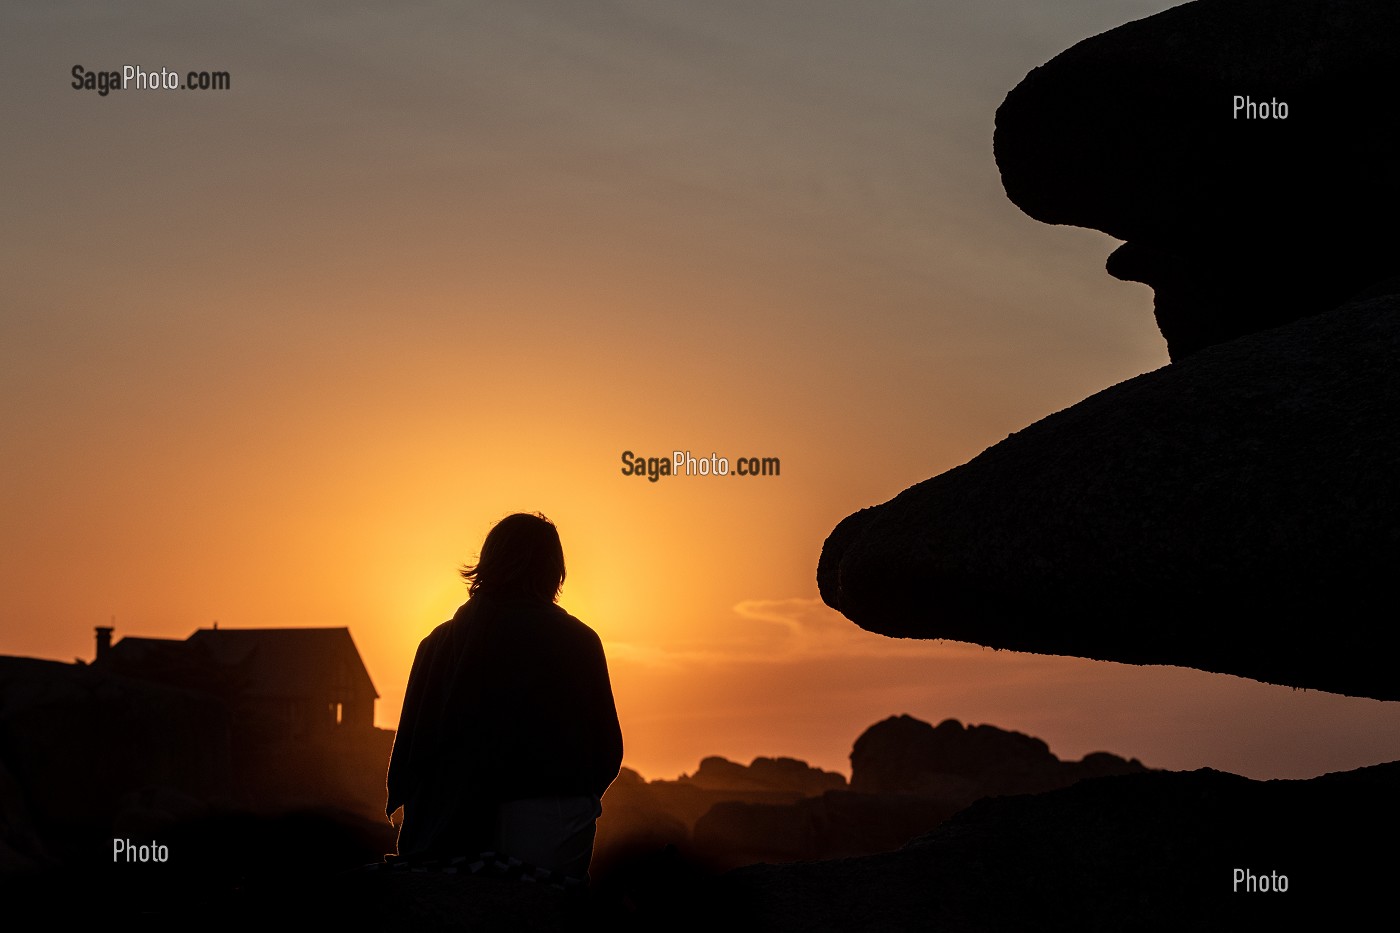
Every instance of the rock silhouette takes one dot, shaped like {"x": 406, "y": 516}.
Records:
{"x": 907, "y": 777}
{"x": 904, "y": 755}
{"x": 642, "y": 818}
{"x": 1153, "y": 851}
{"x": 1241, "y": 147}
{"x": 786, "y": 775}
{"x": 1201, "y": 515}
{"x": 1207, "y": 513}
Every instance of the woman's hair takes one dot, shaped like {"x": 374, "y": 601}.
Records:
{"x": 521, "y": 556}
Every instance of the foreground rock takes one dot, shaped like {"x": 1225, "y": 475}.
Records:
{"x": 1234, "y": 512}
{"x": 1157, "y": 851}
{"x": 1239, "y": 146}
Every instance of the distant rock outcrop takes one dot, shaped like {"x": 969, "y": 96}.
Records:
{"x": 641, "y": 816}
{"x": 764, "y": 774}
{"x": 1241, "y": 147}
{"x": 637, "y": 819}
{"x": 904, "y": 755}
{"x": 906, "y": 778}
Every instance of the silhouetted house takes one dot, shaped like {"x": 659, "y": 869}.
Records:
{"x": 309, "y": 682}
{"x": 298, "y": 703}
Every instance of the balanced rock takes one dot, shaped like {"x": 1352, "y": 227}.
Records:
{"x": 1243, "y": 148}
{"x": 1233, "y": 512}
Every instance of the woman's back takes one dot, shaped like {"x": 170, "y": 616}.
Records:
{"x": 510, "y": 700}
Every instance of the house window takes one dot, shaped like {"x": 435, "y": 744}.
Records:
{"x": 339, "y": 713}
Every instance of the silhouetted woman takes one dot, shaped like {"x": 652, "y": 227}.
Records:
{"x": 509, "y": 735}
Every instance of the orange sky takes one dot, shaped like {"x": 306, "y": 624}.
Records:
{"x": 281, "y": 355}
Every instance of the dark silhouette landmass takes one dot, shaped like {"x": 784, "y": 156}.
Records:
{"x": 1209, "y": 513}
{"x": 642, "y": 816}
{"x": 1151, "y": 851}
{"x": 969, "y": 826}
{"x": 906, "y": 778}
{"x": 89, "y": 756}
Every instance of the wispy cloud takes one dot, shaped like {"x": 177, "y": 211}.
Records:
{"x": 786, "y": 631}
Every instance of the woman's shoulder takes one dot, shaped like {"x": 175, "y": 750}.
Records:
{"x": 459, "y": 618}
{"x": 556, "y": 623}
{"x": 579, "y": 628}
{"x": 444, "y": 631}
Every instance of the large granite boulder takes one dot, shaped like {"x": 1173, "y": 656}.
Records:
{"x": 1235, "y": 512}
{"x": 1243, "y": 148}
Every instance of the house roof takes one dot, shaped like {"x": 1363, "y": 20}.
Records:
{"x": 148, "y": 650}
{"x": 262, "y": 663}
{"x": 281, "y": 662}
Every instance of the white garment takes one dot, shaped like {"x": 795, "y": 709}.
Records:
{"x": 550, "y": 832}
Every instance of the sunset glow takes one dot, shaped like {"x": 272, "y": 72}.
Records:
{"x": 280, "y": 356}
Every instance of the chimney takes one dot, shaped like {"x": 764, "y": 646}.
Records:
{"x": 104, "y": 643}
